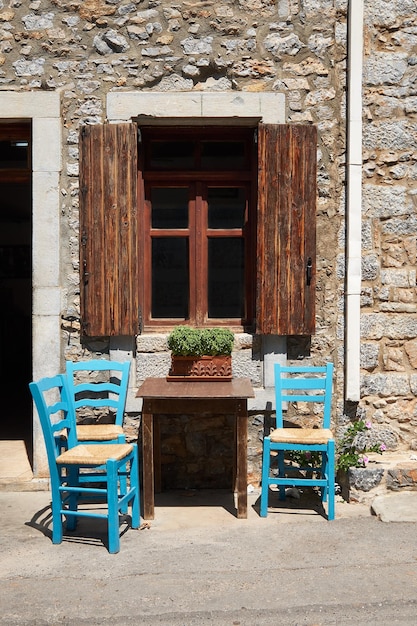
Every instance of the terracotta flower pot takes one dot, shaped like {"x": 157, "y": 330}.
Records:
{"x": 203, "y": 368}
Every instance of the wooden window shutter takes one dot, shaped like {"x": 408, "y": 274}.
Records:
{"x": 108, "y": 230}
{"x": 286, "y": 231}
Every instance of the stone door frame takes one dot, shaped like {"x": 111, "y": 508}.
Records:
{"x": 44, "y": 111}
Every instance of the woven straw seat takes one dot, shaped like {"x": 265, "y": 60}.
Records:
{"x": 98, "y": 432}
{"x": 94, "y": 454}
{"x": 301, "y": 435}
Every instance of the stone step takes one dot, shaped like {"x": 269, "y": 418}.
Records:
{"x": 15, "y": 470}
{"x": 384, "y": 474}
{"x": 396, "y": 506}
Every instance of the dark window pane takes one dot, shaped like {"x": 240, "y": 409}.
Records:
{"x": 172, "y": 155}
{"x": 170, "y": 277}
{"x": 14, "y": 154}
{"x": 169, "y": 207}
{"x": 216, "y": 155}
{"x": 16, "y": 204}
{"x": 225, "y": 277}
{"x": 226, "y": 207}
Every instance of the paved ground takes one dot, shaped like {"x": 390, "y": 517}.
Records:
{"x": 198, "y": 564}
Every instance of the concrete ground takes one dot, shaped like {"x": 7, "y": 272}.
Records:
{"x": 196, "y": 563}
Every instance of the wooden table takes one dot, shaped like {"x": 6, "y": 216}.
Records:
{"x": 172, "y": 397}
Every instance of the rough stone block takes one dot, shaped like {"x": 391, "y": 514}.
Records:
{"x": 378, "y": 325}
{"x": 152, "y": 343}
{"x": 382, "y": 201}
{"x": 402, "y": 477}
{"x": 385, "y": 68}
{"x": 398, "y": 277}
{"x": 385, "y": 385}
{"x": 369, "y": 355}
{"x": 365, "y": 478}
{"x": 152, "y": 364}
{"x": 244, "y": 365}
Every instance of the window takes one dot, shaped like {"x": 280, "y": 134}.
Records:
{"x": 197, "y": 226}
{"x": 15, "y": 144}
{"x": 189, "y": 239}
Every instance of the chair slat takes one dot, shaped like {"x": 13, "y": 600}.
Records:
{"x": 107, "y": 387}
{"x": 302, "y": 398}
{"x": 303, "y": 383}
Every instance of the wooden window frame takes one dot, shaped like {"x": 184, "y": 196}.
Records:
{"x": 198, "y": 232}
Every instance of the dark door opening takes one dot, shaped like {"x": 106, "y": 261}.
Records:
{"x": 16, "y": 280}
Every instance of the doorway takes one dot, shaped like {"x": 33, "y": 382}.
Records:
{"x": 16, "y": 280}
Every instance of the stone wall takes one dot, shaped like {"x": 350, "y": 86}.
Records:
{"x": 389, "y": 295}
{"x": 86, "y": 48}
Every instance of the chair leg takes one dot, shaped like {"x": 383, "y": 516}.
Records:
{"x": 324, "y": 491}
{"x": 123, "y": 477}
{"x": 113, "y": 507}
{"x": 73, "y": 481}
{"x": 331, "y": 480}
{"x": 56, "y": 515}
{"x": 266, "y": 459}
{"x": 281, "y": 473}
{"x": 134, "y": 484}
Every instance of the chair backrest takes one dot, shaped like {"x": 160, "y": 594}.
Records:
{"x": 303, "y": 384}
{"x": 56, "y": 418}
{"x": 86, "y": 387}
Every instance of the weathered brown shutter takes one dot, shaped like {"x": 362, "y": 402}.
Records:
{"x": 108, "y": 230}
{"x": 286, "y": 232}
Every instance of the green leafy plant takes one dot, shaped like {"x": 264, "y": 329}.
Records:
{"x": 187, "y": 341}
{"x": 217, "y": 341}
{"x": 305, "y": 460}
{"x": 351, "y": 452}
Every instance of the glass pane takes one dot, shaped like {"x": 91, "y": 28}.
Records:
{"x": 169, "y": 207}
{"x": 172, "y": 155}
{"x": 14, "y": 154}
{"x": 170, "y": 277}
{"x": 226, "y": 207}
{"x": 228, "y": 155}
{"x": 226, "y": 277}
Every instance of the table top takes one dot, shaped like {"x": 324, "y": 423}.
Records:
{"x": 237, "y": 388}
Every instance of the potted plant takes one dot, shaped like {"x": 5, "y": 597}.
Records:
{"x": 352, "y": 457}
{"x": 200, "y": 354}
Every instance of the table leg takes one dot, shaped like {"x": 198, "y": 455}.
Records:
{"x": 147, "y": 464}
{"x": 157, "y": 454}
{"x": 242, "y": 458}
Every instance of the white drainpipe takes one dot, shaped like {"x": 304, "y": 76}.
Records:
{"x": 354, "y": 199}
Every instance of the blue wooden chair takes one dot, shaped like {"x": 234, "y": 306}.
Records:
{"x": 114, "y": 464}
{"x": 301, "y": 384}
{"x": 100, "y": 387}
